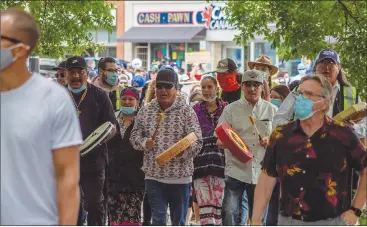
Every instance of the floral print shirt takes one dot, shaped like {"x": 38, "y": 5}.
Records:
{"x": 314, "y": 170}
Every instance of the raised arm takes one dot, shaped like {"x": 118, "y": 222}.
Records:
{"x": 285, "y": 111}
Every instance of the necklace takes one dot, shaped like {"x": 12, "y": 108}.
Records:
{"x": 81, "y": 100}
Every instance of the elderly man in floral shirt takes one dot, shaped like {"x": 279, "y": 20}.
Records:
{"x": 311, "y": 156}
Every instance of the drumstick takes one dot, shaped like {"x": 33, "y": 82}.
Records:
{"x": 253, "y": 123}
{"x": 160, "y": 119}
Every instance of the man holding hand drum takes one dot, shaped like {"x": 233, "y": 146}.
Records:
{"x": 158, "y": 126}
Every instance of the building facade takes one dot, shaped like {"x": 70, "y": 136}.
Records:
{"x": 171, "y": 30}
{"x": 109, "y": 39}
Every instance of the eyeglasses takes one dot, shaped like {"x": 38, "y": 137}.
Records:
{"x": 11, "y": 39}
{"x": 326, "y": 62}
{"x": 252, "y": 84}
{"x": 306, "y": 94}
{"x": 60, "y": 75}
{"x": 165, "y": 86}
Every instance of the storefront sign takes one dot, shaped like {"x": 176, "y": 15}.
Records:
{"x": 184, "y": 17}
{"x": 214, "y": 18}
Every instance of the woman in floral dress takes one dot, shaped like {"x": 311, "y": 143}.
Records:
{"x": 209, "y": 164}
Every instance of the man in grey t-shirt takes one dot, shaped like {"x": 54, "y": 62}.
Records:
{"x": 40, "y": 135}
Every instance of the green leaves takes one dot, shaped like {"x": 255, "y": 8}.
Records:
{"x": 64, "y": 25}
{"x": 306, "y": 27}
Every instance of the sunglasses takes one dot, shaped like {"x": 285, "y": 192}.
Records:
{"x": 165, "y": 86}
{"x": 252, "y": 84}
{"x": 60, "y": 75}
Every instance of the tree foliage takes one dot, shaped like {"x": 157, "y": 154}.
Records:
{"x": 64, "y": 24}
{"x": 303, "y": 28}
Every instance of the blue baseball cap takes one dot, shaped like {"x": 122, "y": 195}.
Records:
{"x": 138, "y": 81}
{"x": 328, "y": 54}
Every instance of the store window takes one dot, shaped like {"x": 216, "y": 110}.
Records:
{"x": 176, "y": 53}
{"x": 102, "y": 36}
{"x": 108, "y": 52}
{"x": 158, "y": 51}
{"x": 141, "y": 52}
{"x": 112, "y": 37}
{"x": 235, "y": 54}
{"x": 246, "y": 57}
{"x": 193, "y": 47}
{"x": 265, "y": 49}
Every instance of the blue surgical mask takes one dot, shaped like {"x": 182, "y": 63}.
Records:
{"x": 127, "y": 110}
{"x": 112, "y": 78}
{"x": 303, "y": 108}
{"x": 276, "y": 102}
{"x": 76, "y": 90}
{"x": 7, "y": 56}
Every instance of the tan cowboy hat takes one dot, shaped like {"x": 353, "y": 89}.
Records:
{"x": 264, "y": 60}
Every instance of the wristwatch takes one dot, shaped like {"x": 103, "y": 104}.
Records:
{"x": 356, "y": 211}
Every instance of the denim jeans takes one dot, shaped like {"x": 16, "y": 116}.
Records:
{"x": 147, "y": 212}
{"x": 161, "y": 195}
{"x": 232, "y": 201}
{"x": 244, "y": 209}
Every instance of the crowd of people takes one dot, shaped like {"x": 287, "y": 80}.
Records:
{"x": 303, "y": 168}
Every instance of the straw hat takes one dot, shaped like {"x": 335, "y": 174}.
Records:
{"x": 264, "y": 60}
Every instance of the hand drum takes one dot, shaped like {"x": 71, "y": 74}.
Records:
{"x": 233, "y": 142}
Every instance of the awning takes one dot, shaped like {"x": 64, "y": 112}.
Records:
{"x": 163, "y": 34}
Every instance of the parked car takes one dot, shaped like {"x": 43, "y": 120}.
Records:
{"x": 46, "y": 65}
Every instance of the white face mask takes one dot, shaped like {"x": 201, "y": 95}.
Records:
{"x": 7, "y": 56}
{"x": 211, "y": 99}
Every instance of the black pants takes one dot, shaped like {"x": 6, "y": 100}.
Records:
{"x": 82, "y": 212}
{"x": 147, "y": 211}
{"x": 92, "y": 184}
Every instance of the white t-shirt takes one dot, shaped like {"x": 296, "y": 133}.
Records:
{"x": 36, "y": 118}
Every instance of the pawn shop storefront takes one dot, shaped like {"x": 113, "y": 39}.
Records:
{"x": 169, "y": 30}
{"x": 153, "y": 34}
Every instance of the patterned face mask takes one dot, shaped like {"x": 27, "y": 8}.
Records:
{"x": 228, "y": 82}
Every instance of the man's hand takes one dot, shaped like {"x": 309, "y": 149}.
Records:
{"x": 220, "y": 144}
{"x": 350, "y": 217}
{"x": 149, "y": 144}
{"x": 264, "y": 142}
